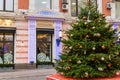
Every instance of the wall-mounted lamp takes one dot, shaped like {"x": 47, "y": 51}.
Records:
{"x": 60, "y": 34}
{"x": 59, "y": 38}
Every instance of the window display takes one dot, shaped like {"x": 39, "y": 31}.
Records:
{"x": 44, "y": 47}
{"x": 6, "y": 48}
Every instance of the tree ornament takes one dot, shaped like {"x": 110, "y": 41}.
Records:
{"x": 68, "y": 68}
{"x": 70, "y": 60}
{"x": 87, "y": 36}
{"x": 84, "y": 18}
{"x": 85, "y": 23}
{"x": 63, "y": 61}
{"x": 103, "y": 47}
{"x": 70, "y": 47}
{"x": 86, "y": 74}
{"x": 117, "y": 53}
{"x": 84, "y": 51}
{"x": 117, "y": 73}
{"x": 103, "y": 16}
{"x": 93, "y": 28}
{"x": 79, "y": 62}
{"x": 97, "y": 34}
{"x": 93, "y": 48}
{"x": 100, "y": 69}
{"x": 109, "y": 65}
{"x": 102, "y": 58}
{"x": 109, "y": 57}
{"x": 80, "y": 46}
{"x": 93, "y": 59}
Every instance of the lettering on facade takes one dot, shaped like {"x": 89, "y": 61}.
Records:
{"x": 44, "y": 24}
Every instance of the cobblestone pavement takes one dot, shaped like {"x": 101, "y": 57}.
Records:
{"x": 34, "y": 74}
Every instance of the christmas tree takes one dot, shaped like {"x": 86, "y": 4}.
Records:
{"x": 89, "y": 50}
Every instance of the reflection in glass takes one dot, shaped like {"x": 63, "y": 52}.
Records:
{"x": 6, "y": 48}
{"x": 44, "y": 47}
{"x": 1, "y": 53}
{"x": 8, "y": 56}
{"x": 9, "y": 5}
{"x": 1, "y": 4}
{"x": 8, "y": 36}
{"x": 42, "y": 4}
{"x": 1, "y": 36}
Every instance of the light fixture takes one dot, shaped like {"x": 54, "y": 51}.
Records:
{"x": 73, "y": 3}
{"x": 60, "y": 33}
{"x": 59, "y": 38}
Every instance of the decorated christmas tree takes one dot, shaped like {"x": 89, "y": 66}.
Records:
{"x": 89, "y": 50}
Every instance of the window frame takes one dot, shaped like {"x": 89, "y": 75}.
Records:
{"x": 4, "y": 7}
{"x": 77, "y": 7}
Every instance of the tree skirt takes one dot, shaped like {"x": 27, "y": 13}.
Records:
{"x": 58, "y": 76}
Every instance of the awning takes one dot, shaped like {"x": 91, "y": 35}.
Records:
{"x": 44, "y": 30}
{"x": 7, "y": 29}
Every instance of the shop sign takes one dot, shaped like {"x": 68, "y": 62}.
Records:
{"x": 44, "y": 24}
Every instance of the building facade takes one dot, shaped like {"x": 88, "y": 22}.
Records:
{"x": 29, "y": 32}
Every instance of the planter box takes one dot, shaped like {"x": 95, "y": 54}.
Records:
{"x": 61, "y": 77}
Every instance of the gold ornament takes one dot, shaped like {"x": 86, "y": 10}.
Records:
{"x": 103, "y": 16}
{"x": 79, "y": 62}
{"x": 86, "y": 74}
{"x": 117, "y": 73}
{"x": 109, "y": 65}
{"x": 68, "y": 68}
{"x": 70, "y": 60}
{"x": 103, "y": 47}
{"x": 93, "y": 28}
{"x": 117, "y": 53}
{"x": 84, "y": 18}
{"x": 62, "y": 60}
{"x": 93, "y": 48}
{"x": 97, "y": 34}
{"x": 87, "y": 36}
{"x": 80, "y": 46}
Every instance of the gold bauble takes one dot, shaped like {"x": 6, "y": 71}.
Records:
{"x": 70, "y": 60}
{"x": 109, "y": 65}
{"x": 93, "y": 28}
{"x": 87, "y": 36}
{"x": 80, "y": 46}
{"x": 103, "y": 47}
{"x": 68, "y": 68}
{"x": 103, "y": 16}
{"x": 84, "y": 18}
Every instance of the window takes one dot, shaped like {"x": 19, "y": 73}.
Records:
{"x": 6, "y": 48}
{"x": 44, "y": 47}
{"x": 42, "y": 4}
{"x": 75, "y": 6}
{"x": 117, "y": 6}
{"x": 6, "y": 5}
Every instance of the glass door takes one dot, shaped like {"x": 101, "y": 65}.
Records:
{"x": 44, "y": 47}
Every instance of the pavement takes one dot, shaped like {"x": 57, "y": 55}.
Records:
{"x": 27, "y": 74}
